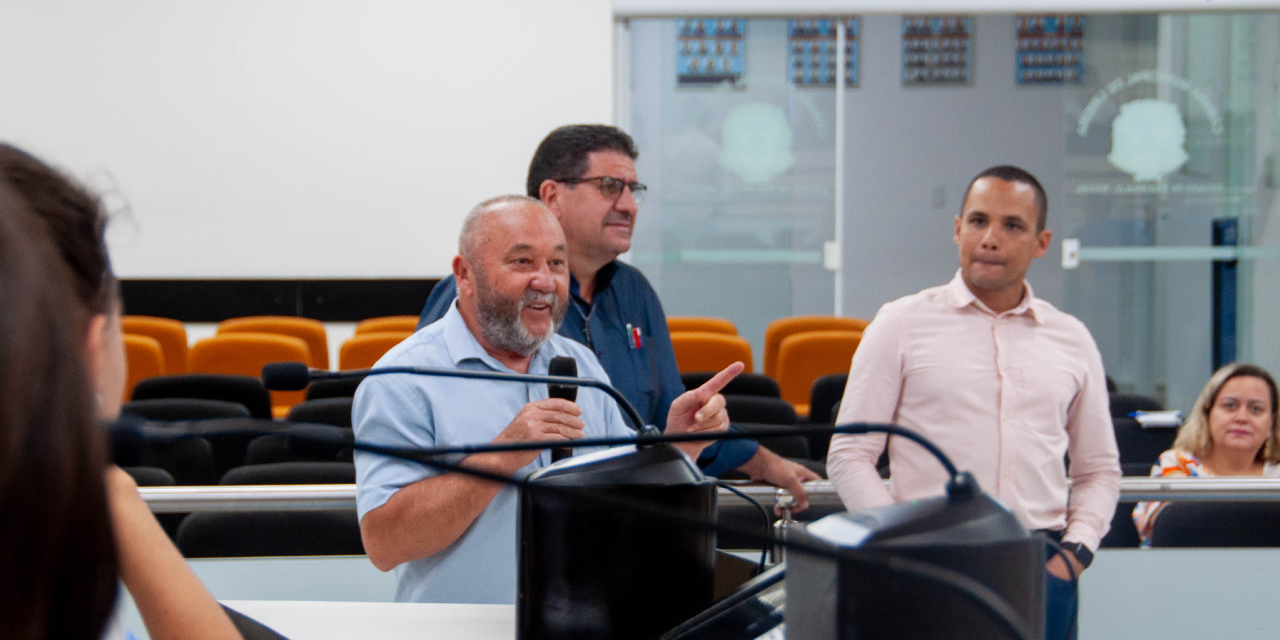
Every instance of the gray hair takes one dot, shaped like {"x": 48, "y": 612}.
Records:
{"x": 473, "y": 233}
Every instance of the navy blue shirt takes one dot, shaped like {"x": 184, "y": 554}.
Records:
{"x": 644, "y": 370}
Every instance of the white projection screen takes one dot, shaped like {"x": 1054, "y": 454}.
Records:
{"x": 297, "y": 138}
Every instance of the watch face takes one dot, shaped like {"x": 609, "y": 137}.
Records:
{"x": 1081, "y": 552}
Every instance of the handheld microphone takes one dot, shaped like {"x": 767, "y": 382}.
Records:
{"x": 567, "y": 367}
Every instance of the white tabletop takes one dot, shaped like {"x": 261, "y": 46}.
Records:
{"x": 346, "y": 620}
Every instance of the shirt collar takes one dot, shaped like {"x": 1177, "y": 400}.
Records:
{"x": 959, "y": 296}
{"x": 604, "y": 277}
{"x": 462, "y": 345}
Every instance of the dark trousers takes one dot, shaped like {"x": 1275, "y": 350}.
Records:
{"x": 1060, "y": 603}
{"x": 1060, "y": 608}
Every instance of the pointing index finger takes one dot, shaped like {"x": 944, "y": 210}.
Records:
{"x": 718, "y": 381}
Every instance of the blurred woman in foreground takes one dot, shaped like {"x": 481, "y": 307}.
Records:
{"x": 57, "y": 561}
{"x": 1232, "y": 431}
{"x": 70, "y": 524}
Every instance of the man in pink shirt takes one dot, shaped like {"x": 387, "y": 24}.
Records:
{"x": 1004, "y": 382}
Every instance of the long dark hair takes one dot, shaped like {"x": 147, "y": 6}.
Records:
{"x": 74, "y": 222}
{"x": 57, "y": 552}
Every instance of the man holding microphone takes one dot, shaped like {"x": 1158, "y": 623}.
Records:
{"x": 452, "y": 537}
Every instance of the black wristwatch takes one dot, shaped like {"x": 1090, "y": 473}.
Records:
{"x": 1081, "y": 552}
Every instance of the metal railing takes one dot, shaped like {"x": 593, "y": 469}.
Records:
{"x": 343, "y": 496}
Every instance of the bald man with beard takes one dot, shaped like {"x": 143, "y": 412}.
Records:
{"x": 451, "y": 537}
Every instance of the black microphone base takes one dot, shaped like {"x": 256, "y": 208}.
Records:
{"x": 859, "y": 596}
{"x": 588, "y": 571}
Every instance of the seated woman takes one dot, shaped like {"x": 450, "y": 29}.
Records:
{"x": 70, "y": 524}
{"x": 1232, "y": 431}
{"x": 57, "y": 562}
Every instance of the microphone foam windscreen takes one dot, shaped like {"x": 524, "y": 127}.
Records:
{"x": 567, "y": 367}
{"x": 286, "y": 376}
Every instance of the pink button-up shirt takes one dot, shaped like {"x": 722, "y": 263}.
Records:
{"x": 1004, "y": 395}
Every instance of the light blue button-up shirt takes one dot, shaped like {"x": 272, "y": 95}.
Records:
{"x": 421, "y": 411}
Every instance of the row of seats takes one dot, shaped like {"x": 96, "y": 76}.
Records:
{"x": 195, "y": 396}
{"x": 797, "y": 350}
{"x": 751, "y": 399}
{"x": 218, "y": 448}
{"x": 158, "y": 346}
{"x": 219, "y": 451}
{"x": 255, "y": 534}
{"x": 337, "y": 531}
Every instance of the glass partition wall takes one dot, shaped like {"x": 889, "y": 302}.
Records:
{"x": 1156, "y": 138}
{"x": 741, "y": 176}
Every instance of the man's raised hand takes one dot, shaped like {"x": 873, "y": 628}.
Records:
{"x": 701, "y": 410}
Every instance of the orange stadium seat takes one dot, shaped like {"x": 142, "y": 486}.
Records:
{"x": 244, "y": 354}
{"x": 310, "y": 331}
{"x": 779, "y": 329}
{"x": 171, "y": 334}
{"x": 704, "y": 351}
{"x": 701, "y": 323}
{"x": 388, "y": 323}
{"x": 364, "y": 349}
{"x": 146, "y": 360}
{"x": 805, "y": 357}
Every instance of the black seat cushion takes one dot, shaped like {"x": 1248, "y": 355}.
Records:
{"x": 1218, "y": 524}
{"x": 169, "y": 409}
{"x": 229, "y": 437}
{"x": 334, "y": 411}
{"x": 312, "y": 443}
{"x": 245, "y": 390}
{"x": 292, "y": 473}
{"x": 1135, "y": 468}
{"x": 150, "y": 476}
{"x": 270, "y": 533}
{"x": 824, "y": 395}
{"x": 1122, "y": 533}
{"x": 1141, "y": 446}
{"x": 340, "y": 388}
{"x": 745, "y": 384}
{"x": 759, "y": 409}
{"x": 1123, "y": 404}
{"x": 187, "y": 458}
{"x": 796, "y": 446}
{"x": 820, "y": 444}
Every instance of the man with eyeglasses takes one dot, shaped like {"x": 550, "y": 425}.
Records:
{"x": 586, "y": 175}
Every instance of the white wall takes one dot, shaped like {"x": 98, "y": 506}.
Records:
{"x": 911, "y": 151}
{"x": 296, "y": 138}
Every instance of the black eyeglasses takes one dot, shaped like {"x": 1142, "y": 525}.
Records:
{"x": 611, "y": 187}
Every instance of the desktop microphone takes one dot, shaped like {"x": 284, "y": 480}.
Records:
{"x": 567, "y": 367}
{"x": 295, "y": 376}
